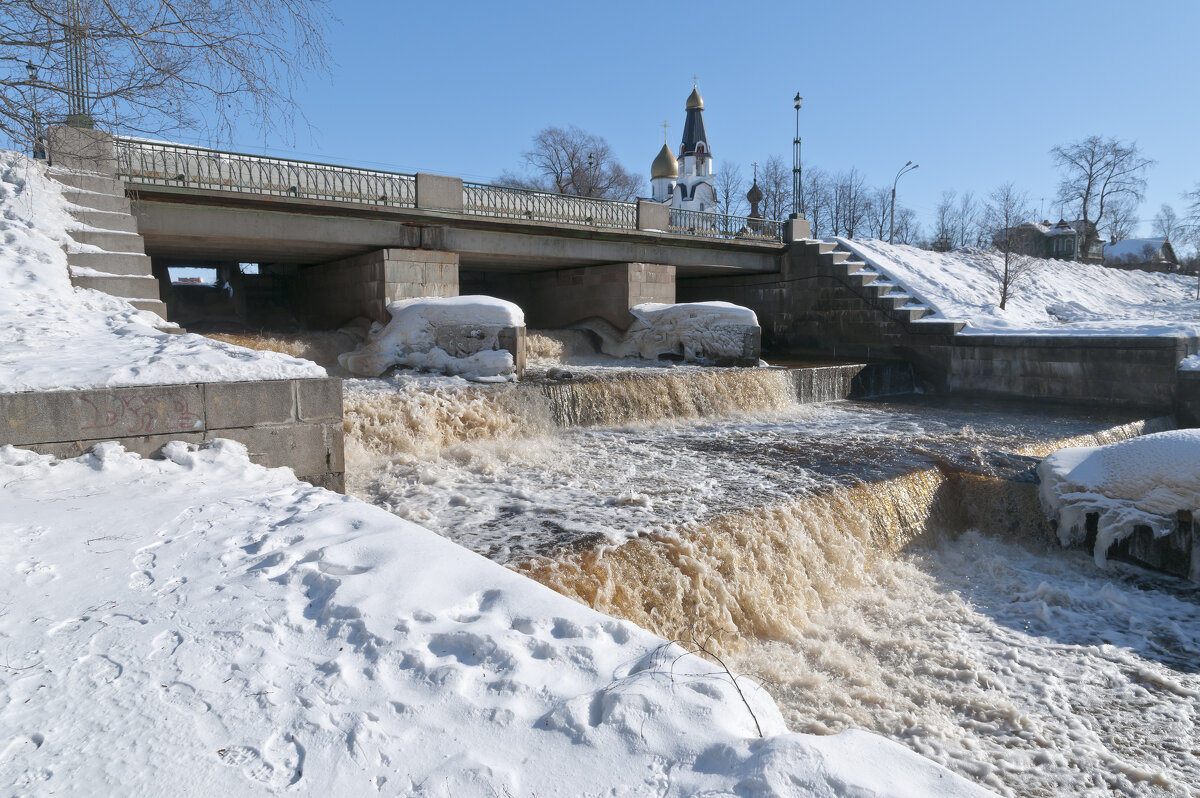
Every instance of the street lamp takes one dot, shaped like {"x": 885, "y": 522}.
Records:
{"x": 39, "y": 151}
{"x": 796, "y": 160}
{"x": 908, "y": 167}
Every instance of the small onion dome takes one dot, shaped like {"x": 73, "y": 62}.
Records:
{"x": 695, "y": 102}
{"x": 665, "y": 164}
{"x": 754, "y": 194}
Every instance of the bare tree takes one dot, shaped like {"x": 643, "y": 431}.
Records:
{"x": 908, "y": 229}
{"x": 730, "y": 188}
{"x": 154, "y": 67}
{"x": 775, "y": 180}
{"x": 572, "y": 161}
{"x": 849, "y": 203}
{"x": 1007, "y": 208}
{"x": 879, "y": 204}
{"x": 1168, "y": 224}
{"x": 1120, "y": 219}
{"x": 1095, "y": 173}
{"x": 943, "y": 222}
{"x": 966, "y": 221}
{"x": 816, "y": 200}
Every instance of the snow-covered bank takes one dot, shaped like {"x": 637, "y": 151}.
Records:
{"x": 1143, "y": 481}
{"x": 54, "y": 336}
{"x": 202, "y": 625}
{"x": 1059, "y": 297}
{"x": 420, "y": 330}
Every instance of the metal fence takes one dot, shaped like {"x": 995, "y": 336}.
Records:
{"x": 163, "y": 164}
{"x": 720, "y": 225}
{"x": 480, "y": 199}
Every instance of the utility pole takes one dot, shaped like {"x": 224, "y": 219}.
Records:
{"x": 796, "y": 161}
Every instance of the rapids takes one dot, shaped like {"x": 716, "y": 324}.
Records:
{"x": 877, "y": 565}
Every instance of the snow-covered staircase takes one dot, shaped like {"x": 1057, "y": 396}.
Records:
{"x": 108, "y": 254}
{"x": 878, "y": 290}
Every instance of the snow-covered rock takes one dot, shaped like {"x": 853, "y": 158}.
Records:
{"x": 704, "y": 332}
{"x": 203, "y": 625}
{"x": 54, "y": 336}
{"x": 452, "y": 335}
{"x": 1142, "y": 481}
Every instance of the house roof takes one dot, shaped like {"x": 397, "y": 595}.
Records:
{"x": 1133, "y": 248}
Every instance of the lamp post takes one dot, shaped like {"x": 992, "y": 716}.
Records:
{"x": 796, "y": 160}
{"x": 908, "y": 167}
{"x": 39, "y": 150}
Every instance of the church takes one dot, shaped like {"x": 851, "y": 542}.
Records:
{"x": 687, "y": 181}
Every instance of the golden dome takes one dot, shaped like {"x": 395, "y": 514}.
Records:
{"x": 664, "y": 164}
{"x": 695, "y": 101}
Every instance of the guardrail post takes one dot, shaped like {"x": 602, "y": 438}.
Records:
{"x": 653, "y": 216}
{"x": 82, "y": 148}
{"x": 439, "y": 193}
{"x": 796, "y": 229}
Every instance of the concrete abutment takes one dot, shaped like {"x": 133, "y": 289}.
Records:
{"x": 334, "y": 293}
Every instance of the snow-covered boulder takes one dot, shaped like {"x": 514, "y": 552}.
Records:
{"x": 701, "y": 332}
{"x": 474, "y": 336}
{"x": 1142, "y": 481}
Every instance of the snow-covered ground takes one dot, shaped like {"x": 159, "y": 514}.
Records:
{"x": 1143, "y": 481}
{"x": 54, "y": 336}
{"x": 1059, "y": 297}
{"x": 200, "y": 625}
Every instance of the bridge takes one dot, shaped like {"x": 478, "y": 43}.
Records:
{"x": 348, "y": 240}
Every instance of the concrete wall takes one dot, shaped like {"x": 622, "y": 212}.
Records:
{"x": 1187, "y": 399}
{"x": 557, "y": 299}
{"x": 293, "y": 423}
{"x": 334, "y": 293}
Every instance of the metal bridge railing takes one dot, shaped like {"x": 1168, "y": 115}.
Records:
{"x": 181, "y": 165}
{"x": 480, "y": 199}
{"x": 720, "y": 225}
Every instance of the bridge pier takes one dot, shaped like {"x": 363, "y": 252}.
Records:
{"x": 333, "y": 293}
{"x": 557, "y": 299}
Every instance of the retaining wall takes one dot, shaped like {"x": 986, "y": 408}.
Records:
{"x": 293, "y": 423}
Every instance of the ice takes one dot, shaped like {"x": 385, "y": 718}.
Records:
{"x": 1143, "y": 481}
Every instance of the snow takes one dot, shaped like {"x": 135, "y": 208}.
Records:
{"x": 1142, "y": 481}
{"x": 699, "y": 331}
{"x": 55, "y": 337}
{"x": 409, "y": 339}
{"x": 1059, "y": 298}
{"x": 200, "y": 620}
{"x": 1190, "y": 363}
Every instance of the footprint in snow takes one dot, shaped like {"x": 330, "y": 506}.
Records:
{"x": 280, "y": 765}
{"x": 182, "y": 696}
{"x": 140, "y": 580}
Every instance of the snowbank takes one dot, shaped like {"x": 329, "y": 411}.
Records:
{"x": 55, "y": 337}
{"x": 1142, "y": 481}
{"x": 1059, "y": 298}
{"x": 200, "y": 620}
{"x": 421, "y": 330}
{"x": 702, "y": 332}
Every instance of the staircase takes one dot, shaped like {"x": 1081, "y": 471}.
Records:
{"x": 881, "y": 292}
{"x": 110, "y": 256}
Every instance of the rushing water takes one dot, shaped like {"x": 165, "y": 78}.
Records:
{"x": 879, "y": 566}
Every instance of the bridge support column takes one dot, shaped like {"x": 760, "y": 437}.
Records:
{"x": 336, "y": 292}
{"x": 558, "y": 299}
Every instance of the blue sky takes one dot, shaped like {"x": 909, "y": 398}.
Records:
{"x": 975, "y": 92}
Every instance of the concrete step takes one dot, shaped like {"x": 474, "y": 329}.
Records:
{"x": 126, "y": 286}
{"x": 96, "y": 201}
{"x": 115, "y": 221}
{"x": 910, "y": 313}
{"x": 155, "y": 306}
{"x": 124, "y": 263}
{"x": 938, "y": 327}
{"x": 894, "y": 300}
{"x": 832, "y": 258}
{"x": 110, "y": 241}
{"x": 878, "y": 289}
{"x": 88, "y": 181}
{"x": 865, "y": 278}
{"x": 826, "y": 246}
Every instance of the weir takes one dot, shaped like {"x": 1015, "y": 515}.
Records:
{"x": 879, "y": 564}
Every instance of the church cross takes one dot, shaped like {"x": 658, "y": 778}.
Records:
{"x": 665, "y": 125}
{"x": 693, "y": 81}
